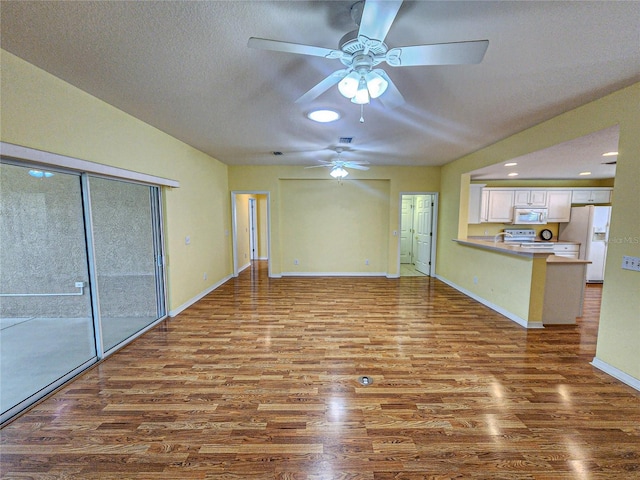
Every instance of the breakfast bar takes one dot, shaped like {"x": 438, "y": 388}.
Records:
{"x": 556, "y": 284}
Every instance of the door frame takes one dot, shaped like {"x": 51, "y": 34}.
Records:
{"x": 434, "y": 229}
{"x": 234, "y": 226}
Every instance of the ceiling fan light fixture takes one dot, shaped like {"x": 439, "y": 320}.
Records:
{"x": 376, "y": 84}
{"x": 338, "y": 172}
{"x": 362, "y": 95}
{"x": 348, "y": 86}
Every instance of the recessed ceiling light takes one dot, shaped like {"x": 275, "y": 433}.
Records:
{"x": 585, "y": 173}
{"x": 513, "y": 174}
{"x": 610, "y": 154}
{"x": 510, "y": 164}
{"x": 323, "y": 115}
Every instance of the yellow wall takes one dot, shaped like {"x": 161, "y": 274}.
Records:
{"x": 42, "y": 112}
{"x": 619, "y": 332}
{"x": 334, "y": 227}
{"x": 281, "y": 181}
{"x": 263, "y": 234}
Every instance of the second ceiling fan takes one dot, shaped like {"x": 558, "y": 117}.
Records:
{"x": 363, "y": 49}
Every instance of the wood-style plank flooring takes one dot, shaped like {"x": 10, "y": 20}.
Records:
{"x": 259, "y": 381}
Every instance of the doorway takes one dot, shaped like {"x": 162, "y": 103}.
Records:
{"x": 251, "y": 229}
{"x": 417, "y": 234}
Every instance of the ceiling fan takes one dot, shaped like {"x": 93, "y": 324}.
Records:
{"x": 363, "y": 49}
{"x": 339, "y": 166}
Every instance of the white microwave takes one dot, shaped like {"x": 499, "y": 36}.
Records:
{"x": 529, "y": 216}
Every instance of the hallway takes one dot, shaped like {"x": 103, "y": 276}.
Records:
{"x": 259, "y": 380}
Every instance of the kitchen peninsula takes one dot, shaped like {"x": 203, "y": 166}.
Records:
{"x": 556, "y": 284}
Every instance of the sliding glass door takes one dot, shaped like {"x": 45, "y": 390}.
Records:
{"x": 126, "y": 257}
{"x": 81, "y": 274}
{"x": 46, "y": 325}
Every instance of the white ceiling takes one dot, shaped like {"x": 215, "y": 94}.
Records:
{"x": 563, "y": 162}
{"x": 185, "y": 68}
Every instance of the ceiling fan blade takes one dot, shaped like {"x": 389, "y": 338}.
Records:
{"x": 391, "y": 98}
{"x": 319, "y": 166}
{"x": 275, "y": 45}
{"x": 323, "y": 86}
{"x": 455, "y": 53}
{"x": 356, "y": 162}
{"x": 355, "y": 166}
{"x": 377, "y": 17}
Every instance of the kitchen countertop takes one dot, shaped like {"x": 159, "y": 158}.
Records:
{"x": 502, "y": 247}
{"x": 517, "y": 249}
{"x": 557, "y": 259}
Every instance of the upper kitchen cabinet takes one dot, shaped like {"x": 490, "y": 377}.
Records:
{"x": 530, "y": 198}
{"x": 476, "y": 203}
{"x": 591, "y": 196}
{"x": 559, "y": 205}
{"x": 500, "y": 206}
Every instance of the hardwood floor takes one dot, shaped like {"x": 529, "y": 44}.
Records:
{"x": 259, "y": 381}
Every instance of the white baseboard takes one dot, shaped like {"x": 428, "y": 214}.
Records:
{"x": 616, "y": 373}
{"x": 333, "y": 274}
{"x": 519, "y": 320}
{"x": 188, "y": 303}
{"x": 244, "y": 267}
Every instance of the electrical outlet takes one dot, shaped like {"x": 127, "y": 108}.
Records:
{"x": 631, "y": 263}
{"x": 204, "y": 276}
{"x": 475, "y": 280}
{"x": 295, "y": 262}
{"x": 366, "y": 262}
{"x": 187, "y": 240}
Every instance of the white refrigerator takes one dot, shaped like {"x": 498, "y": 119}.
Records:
{"x": 589, "y": 226}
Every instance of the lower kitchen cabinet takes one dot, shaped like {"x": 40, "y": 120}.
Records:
{"x": 570, "y": 250}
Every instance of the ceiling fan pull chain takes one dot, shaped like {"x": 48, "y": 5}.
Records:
{"x": 362, "y": 113}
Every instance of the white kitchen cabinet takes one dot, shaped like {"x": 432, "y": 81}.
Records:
{"x": 475, "y": 202}
{"x": 571, "y": 250}
{"x": 500, "y": 206}
{"x": 589, "y": 196}
{"x": 530, "y": 198}
{"x": 559, "y": 205}
{"x": 484, "y": 206}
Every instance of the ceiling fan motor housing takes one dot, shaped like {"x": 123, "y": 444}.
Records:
{"x": 351, "y": 44}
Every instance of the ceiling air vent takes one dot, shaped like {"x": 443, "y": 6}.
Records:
{"x": 345, "y": 140}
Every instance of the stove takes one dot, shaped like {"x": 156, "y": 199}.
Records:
{"x": 519, "y": 235}
{"x": 525, "y": 237}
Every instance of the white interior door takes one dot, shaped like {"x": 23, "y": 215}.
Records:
{"x": 253, "y": 229}
{"x": 423, "y": 233}
{"x": 406, "y": 229}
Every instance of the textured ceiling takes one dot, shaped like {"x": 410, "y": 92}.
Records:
{"x": 185, "y": 68}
